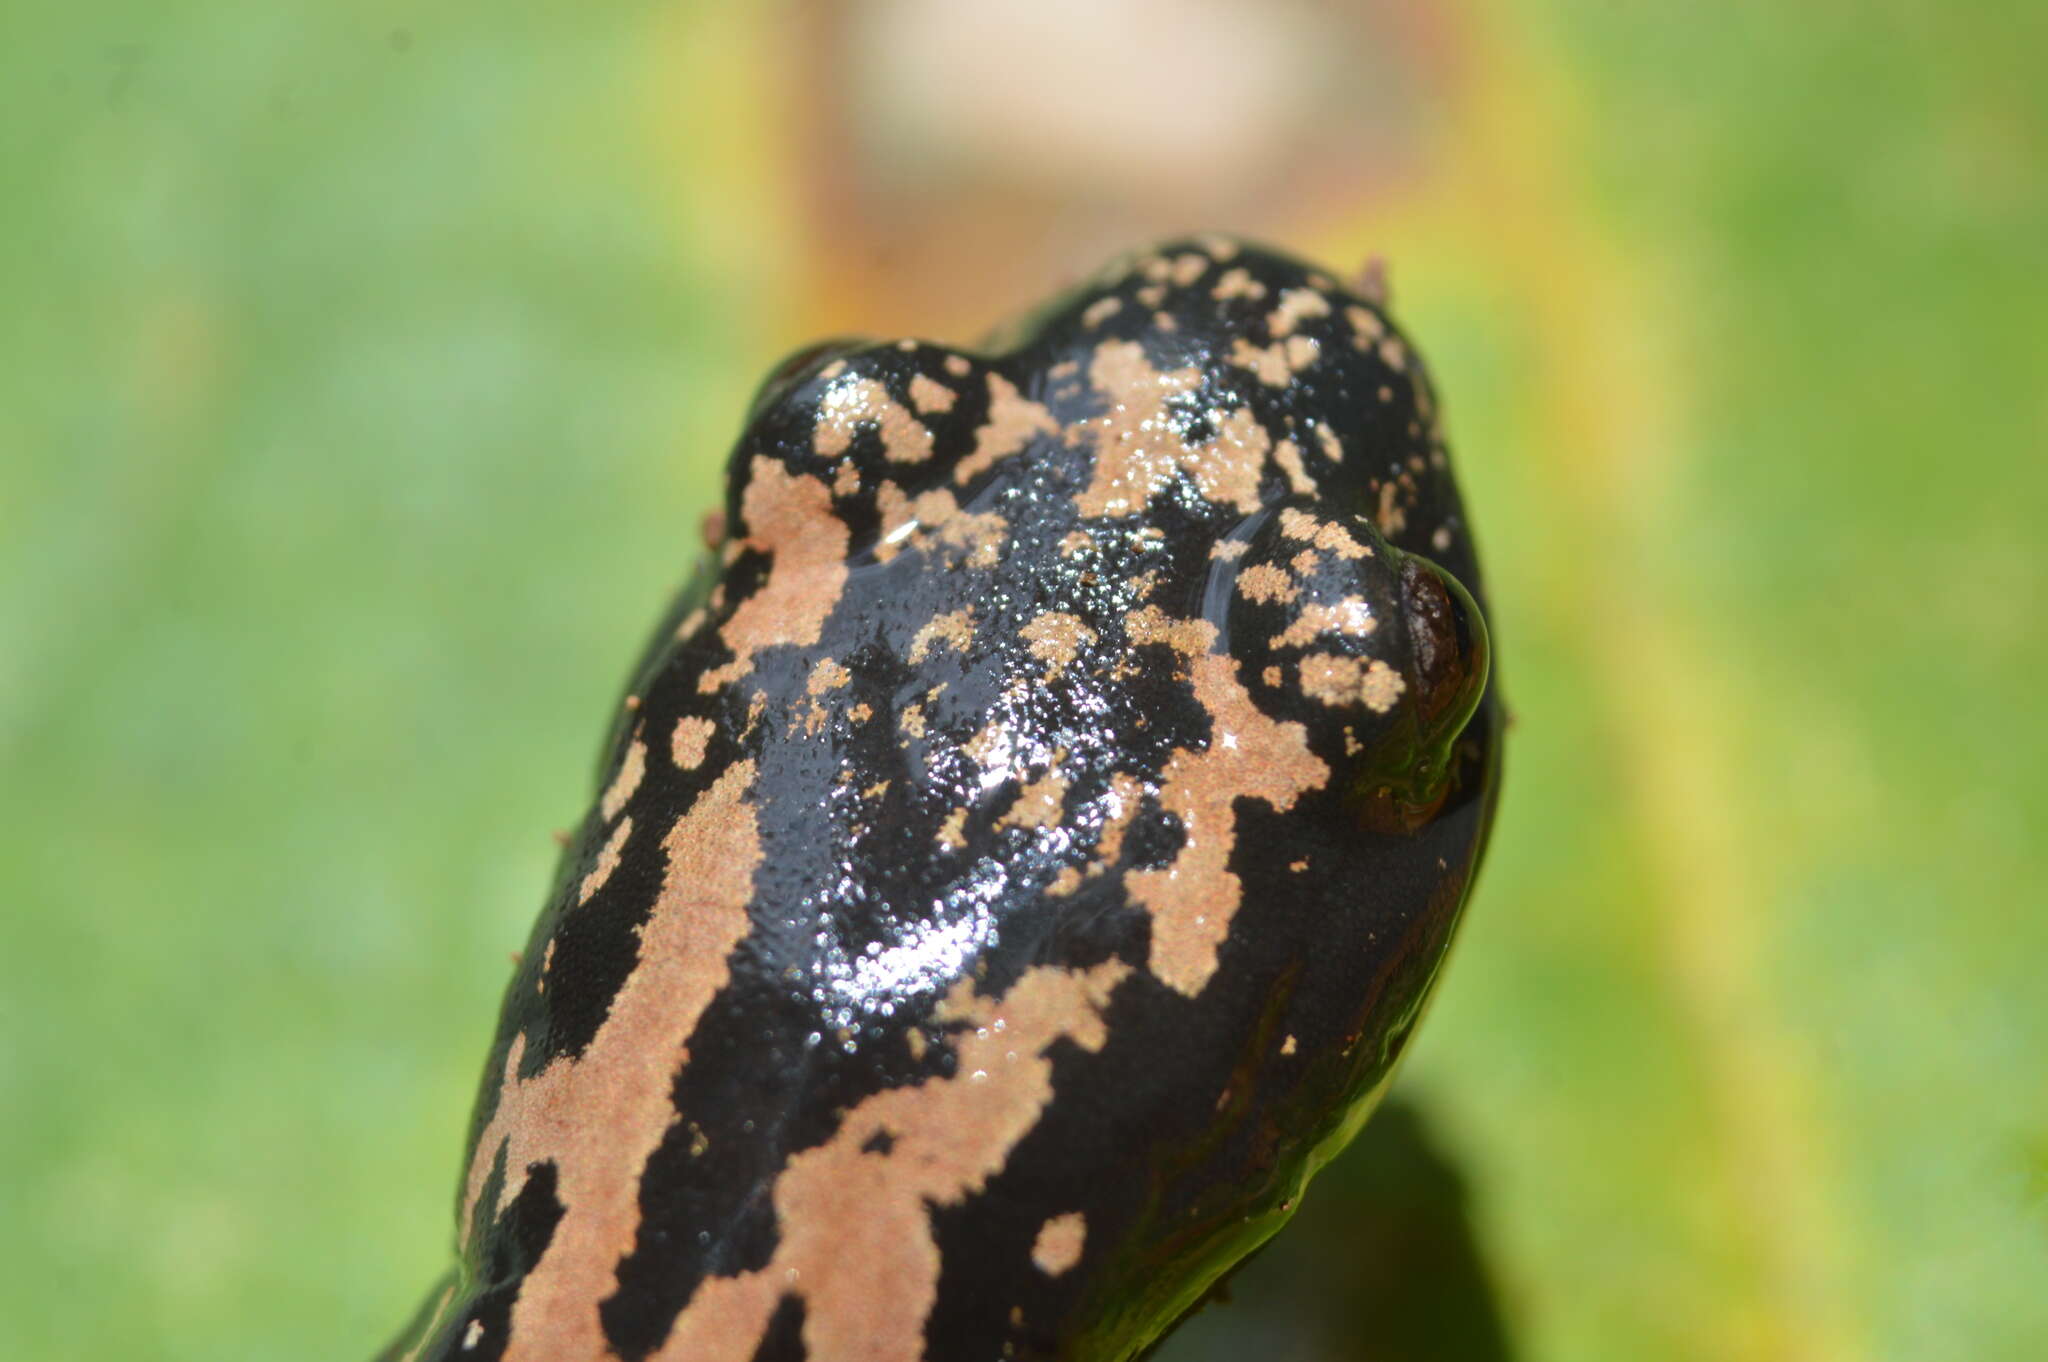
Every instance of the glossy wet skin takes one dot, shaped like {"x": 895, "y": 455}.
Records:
{"x": 1021, "y": 856}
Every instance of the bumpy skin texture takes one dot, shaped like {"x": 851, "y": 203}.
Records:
{"x": 1022, "y": 854}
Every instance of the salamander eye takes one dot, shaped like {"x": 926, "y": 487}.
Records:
{"x": 1447, "y": 640}
{"x": 800, "y": 365}
{"x": 1448, "y": 658}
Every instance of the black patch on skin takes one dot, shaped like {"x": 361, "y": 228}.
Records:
{"x": 594, "y": 946}
{"x": 783, "y": 1340}
{"x": 515, "y": 1242}
{"x": 745, "y": 576}
{"x": 985, "y": 1262}
{"x": 1184, "y": 1138}
{"x": 1154, "y": 839}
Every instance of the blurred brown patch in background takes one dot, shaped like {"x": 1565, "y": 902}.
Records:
{"x": 955, "y": 158}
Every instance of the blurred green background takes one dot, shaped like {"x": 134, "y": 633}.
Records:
{"x": 364, "y": 370}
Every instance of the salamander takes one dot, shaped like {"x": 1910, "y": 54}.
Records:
{"x": 1021, "y": 854}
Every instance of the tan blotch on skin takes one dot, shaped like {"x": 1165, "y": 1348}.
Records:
{"x": 1056, "y": 638}
{"x": 953, "y": 832}
{"x": 1269, "y": 362}
{"x": 1382, "y": 687}
{"x": 989, "y": 745}
{"x": 1139, "y": 444}
{"x": 846, "y": 406}
{"x": 955, "y": 630}
{"x": 1351, "y": 617}
{"x": 930, "y": 396}
{"x": 1278, "y": 363}
{"x": 788, "y": 516}
{"x": 1153, "y": 625}
{"x": 607, "y": 862}
{"x": 1333, "y": 448}
{"x": 827, "y": 675}
{"x": 936, "y": 515}
{"x": 1012, "y": 420}
{"x": 1336, "y": 680}
{"x": 631, "y": 768}
{"x": 1100, "y": 311}
{"x": 1237, "y": 283}
{"x": 686, "y": 747}
{"x": 1059, "y": 1243}
{"x": 1297, "y": 305}
{"x": 1266, "y": 584}
{"x": 1041, "y": 804}
{"x": 1126, "y": 794}
{"x": 1327, "y": 535}
{"x": 598, "y": 1117}
{"x": 853, "y": 1227}
{"x": 1366, "y": 327}
{"x": 1391, "y": 518}
{"x": 1288, "y": 455}
{"x": 1248, "y": 755}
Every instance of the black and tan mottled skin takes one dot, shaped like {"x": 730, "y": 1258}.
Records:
{"x": 1022, "y": 854}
